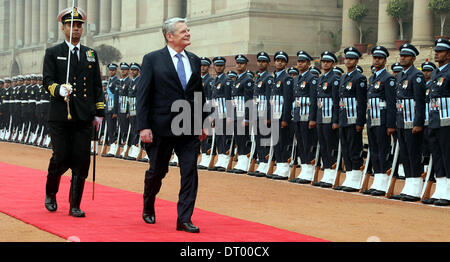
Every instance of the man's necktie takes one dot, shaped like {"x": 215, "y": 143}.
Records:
{"x": 75, "y": 54}
{"x": 180, "y": 71}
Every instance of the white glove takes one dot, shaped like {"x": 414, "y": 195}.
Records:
{"x": 97, "y": 121}
{"x": 65, "y": 90}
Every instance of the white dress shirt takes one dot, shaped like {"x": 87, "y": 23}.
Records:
{"x": 71, "y": 46}
{"x": 187, "y": 65}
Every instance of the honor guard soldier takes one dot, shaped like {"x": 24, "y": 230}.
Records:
{"x": 328, "y": 117}
{"x": 261, "y": 96}
{"x": 208, "y": 83}
{"x": 315, "y": 70}
{"x": 112, "y": 109}
{"x": 431, "y": 145}
{"x": 293, "y": 72}
{"x": 281, "y": 107}
{"x": 5, "y": 105}
{"x": 339, "y": 71}
{"x": 133, "y": 141}
{"x": 250, "y": 74}
{"x": 305, "y": 116}
{"x": 122, "y": 93}
{"x": 74, "y": 108}
{"x": 220, "y": 94}
{"x": 439, "y": 118}
{"x": 381, "y": 113}
{"x": 241, "y": 93}
{"x": 232, "y": 75}
{"x": 352, "y": 118}
{"x": 396, "y": 69}
{"x": 410, "y": 121}
{"x": 2, "y": 109}
{"x": 45, "y": 102}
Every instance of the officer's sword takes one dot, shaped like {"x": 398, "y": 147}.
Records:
{"x": 93, "y": 166}
{"x": 67, "y": 98}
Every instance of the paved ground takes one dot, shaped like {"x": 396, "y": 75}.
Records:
{"x": 323, "y": 213}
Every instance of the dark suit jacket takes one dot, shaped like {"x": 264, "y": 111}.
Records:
{"x": 87, "y": 99}
{"x": 159, "y": 87}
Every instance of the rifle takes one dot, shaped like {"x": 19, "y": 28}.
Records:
{"x": 251, "y": 163}
{"x": 293, "y": 159}
{"x": 104, "y": 139}
{"x": 365, "y": 182}
{"x": 212, "y": 157}
{"x": 230, "y": 154}
{"x": 25, "y": 140}
{"x": 337, "y": 176}
{"x": 428, "y": 183}
{"x": 269, "y": 158}
{"x": 39, "y": 139}
{"x": 124, "y": 153}
{"x": 9, "y": 132}
{"x": 393, "y": 172}
{"x": 21, "y": 133}
{"x": 316, "y": 163}
{"x": 117, "y": 145}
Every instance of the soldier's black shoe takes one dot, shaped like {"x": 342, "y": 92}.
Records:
{"x": 410, "y": 198}
{"x": 251, "y": 173}
{"x": 50, "y": 203}
{"x": 293, "y": 180}
{"x": 220, "y": 169}
{"x": 429, "y": 201}
{"x": 259, "y": 174}
{"x": 149, "y": 218}
{"x": 238, "y": 171}
{"x": 172, "y": 164}
{"x": 441, "y": 202}
{"x": 214, "y": 168}
{"x": 280, "y": 177}
{"x": 303, "y": 181}
{"x": 317, "y": 183}
{"x": 368, "y": 191}
{"x": 188, "y": 227}
{"x": 325, "y": 185}
{"x": 349, "y": 189}
{"x": 338, "y": 188}
{"x": 397, "y": 197}
{"x": 377, "y": 193}
{"x": 76, "y": 212}
{"x": 201, "y": 167}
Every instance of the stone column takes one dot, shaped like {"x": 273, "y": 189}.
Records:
{"x": 28, "y": 22}
{"x": 174, "y": 8}
{"x": 20, "y": 25}
{"x": 422, "y": 33}
{"x": 129, "y": 22}
{"x": 387, "y": 26}
{"x": 350, "y": 33}
{"x": 35, "y": 21}
{"x": 62, "y": 4}
{"x": 92, "y": 14}
{"x": 12, "y": 25}
{"x": 53, "y": 24}
{"x": 44, "y": 13}
{"x": 105, "y": 16}
{"x": 83, "y": 5}
{"x": 116, "y": 17}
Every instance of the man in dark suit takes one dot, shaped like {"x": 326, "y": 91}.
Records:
{"x": 168, "y": 75}
{"x": 82, "y": 93}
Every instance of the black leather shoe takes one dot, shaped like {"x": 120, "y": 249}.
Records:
{"x": 441, "y": 202}
{"x": 50, "y": 203}
{"x": 238, "y": 171}
{"x": 377, "y": 193}
{"x": 317, "y": 183}
{"x": 76, "y": 212}
{"x": 368, "y": 191}
{"x": 212, "y": 168}
{"x": 259, "y": 174}
{"x": 410, "y": 198}
{"x": 349, "y": 189}
{"x": 201, "y": 167}
{"x": 429, "y": 201}
{"x": 280, "y": 177}
{"x": 220, "y": 169}
{"x": 397, "y": 197}
{"x": 325, "y": 185}
{"x": 293, "y": 180}
{"x": 251, "y": 173}
{"x": 172, "y": 164}
{"x": 338, "y": 188}
{"x": 303, "y": 181}
{"x": 188, "y": 227}
{"x": 149, "y": 218}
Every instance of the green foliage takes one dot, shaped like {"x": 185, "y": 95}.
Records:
{"x": 397, "y": 8}
{"x": 439, "y": 6}
{"x": 357, "y": 12}
{"x": 108, "y": 54}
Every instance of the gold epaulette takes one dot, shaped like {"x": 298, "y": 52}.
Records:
{"x": 100, "y": 105}
{"x": 52, "y": 89}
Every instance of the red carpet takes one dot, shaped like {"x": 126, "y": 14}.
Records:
{"x": 115, "y": 215}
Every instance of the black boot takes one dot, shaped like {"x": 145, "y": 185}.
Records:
{"x": 51, "y": 188}
{"x": 76, "y": 193}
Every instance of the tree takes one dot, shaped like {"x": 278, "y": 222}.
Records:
{"x": 108, "y": 54}
{"x": 398, "y": 9}
{"x": 357, "y": 13}
{"x": 441, "y": 8}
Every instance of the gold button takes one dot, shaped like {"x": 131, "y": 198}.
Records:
{"x": 84, "y": 84}
{"x": 84, "y": 78}
{"x": 74, "y": 89}
{"x": 85, "y": 90}
{"x": 85, "y": 95}
{"x": 90, "y": 66}
{"x": 74, "y": 78}
{"x": 75, "y": 95}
